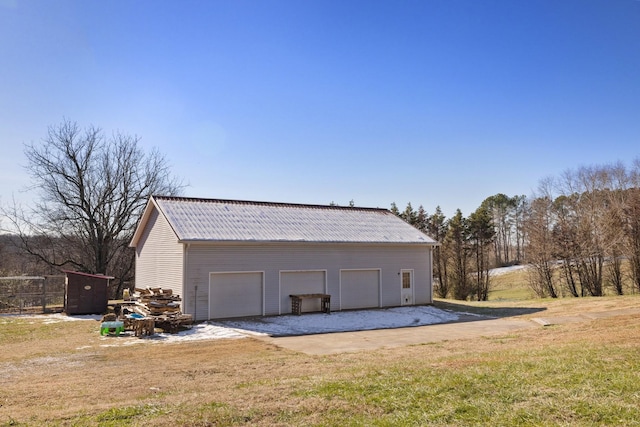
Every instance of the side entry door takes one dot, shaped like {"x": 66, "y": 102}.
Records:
{"x": 406, "y": 292}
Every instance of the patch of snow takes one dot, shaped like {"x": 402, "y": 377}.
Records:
{"x": 201, "y": 331}
{"x": 342, "y": 321}
{"x": 59, "y": 317}
{"x": 308, "y": 323}
{"x": 55, "y": 318}
{"x": 502, "y": 270}
{"x": 198, "y": 332}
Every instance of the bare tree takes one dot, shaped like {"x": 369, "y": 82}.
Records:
{"x": 616, "y": 198}
{"x": 538, "y": 227}
{"x": 519, "y": 213}
{"x": 631, "y": 218}
{"x": 92, "y": 190}
{"x": 632, "y": 229}
{"x": 565, "y": 236}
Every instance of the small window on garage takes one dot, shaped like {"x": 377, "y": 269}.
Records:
{"x": 406, "y": 280}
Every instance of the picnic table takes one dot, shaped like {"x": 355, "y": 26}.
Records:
{"x": 296, "y": 302}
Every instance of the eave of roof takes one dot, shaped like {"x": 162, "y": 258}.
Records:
{"x": 97, "y": 276}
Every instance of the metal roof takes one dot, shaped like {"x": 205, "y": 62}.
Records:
{"x": 244, "y": 221}
{"x": 95, "y": 276}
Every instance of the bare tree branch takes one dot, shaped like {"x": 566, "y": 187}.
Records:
{"x": 92, "y": 190}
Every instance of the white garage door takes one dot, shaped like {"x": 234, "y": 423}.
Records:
{"x": 235, "y": 295}
{"x": 301, "y": 282}
{"x": 359, "y": 289}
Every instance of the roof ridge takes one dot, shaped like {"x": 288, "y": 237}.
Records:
{"x": 263, "y": 203}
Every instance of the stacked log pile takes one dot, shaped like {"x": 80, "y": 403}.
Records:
{"x": 164, "y": 308}
{"x": 160, "y": 301}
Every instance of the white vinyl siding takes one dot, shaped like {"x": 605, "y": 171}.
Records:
{"x": 301, "y": 282}
{"x": 359, "y": 289}
{"x": 162, "y": 263}
{"x": 235, "y": 294}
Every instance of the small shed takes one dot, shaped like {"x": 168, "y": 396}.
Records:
{"x": 86, "y": 293}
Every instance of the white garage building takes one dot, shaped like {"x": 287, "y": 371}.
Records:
{"x": 230, "y": 258}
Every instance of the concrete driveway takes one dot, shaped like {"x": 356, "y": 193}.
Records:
{"x": 469, "y": 327}
{"x": 342, "y": 342}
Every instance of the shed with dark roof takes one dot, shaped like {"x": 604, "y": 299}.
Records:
{"x": 230, "y": 258}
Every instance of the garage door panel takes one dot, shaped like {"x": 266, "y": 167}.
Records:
{"x": 301, "y": 282}
{"x": 235, "y": 295}
{"x": 359, "y": 289}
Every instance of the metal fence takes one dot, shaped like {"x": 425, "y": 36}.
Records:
{"x": 32, "y": 294}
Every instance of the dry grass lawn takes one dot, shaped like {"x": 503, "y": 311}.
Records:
{"x": 585, "y": 373}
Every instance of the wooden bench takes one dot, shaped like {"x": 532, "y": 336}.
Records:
{"x": 296, "y": 302}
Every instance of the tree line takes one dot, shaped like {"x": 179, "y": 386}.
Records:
{"x": 470, "y": 246}
{"x": 579, "y": 234}
{"x": 583, "y": 231}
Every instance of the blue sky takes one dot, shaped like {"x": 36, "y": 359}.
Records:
{"x": 433, "y": 102}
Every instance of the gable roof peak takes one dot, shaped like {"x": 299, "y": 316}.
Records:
{"x": 263, "y": 203}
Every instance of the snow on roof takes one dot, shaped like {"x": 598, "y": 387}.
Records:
{"x": 232, "y": 220}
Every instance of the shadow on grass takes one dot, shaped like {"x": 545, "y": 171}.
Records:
{"x": 485, "y": 311}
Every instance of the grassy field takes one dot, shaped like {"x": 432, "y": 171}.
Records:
{"x": 584, "y": 374}
{"x": 510, "y": 286}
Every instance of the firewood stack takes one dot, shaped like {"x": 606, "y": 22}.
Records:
{"x": 164, "y": 308}
{"x": 160, "y": 301}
